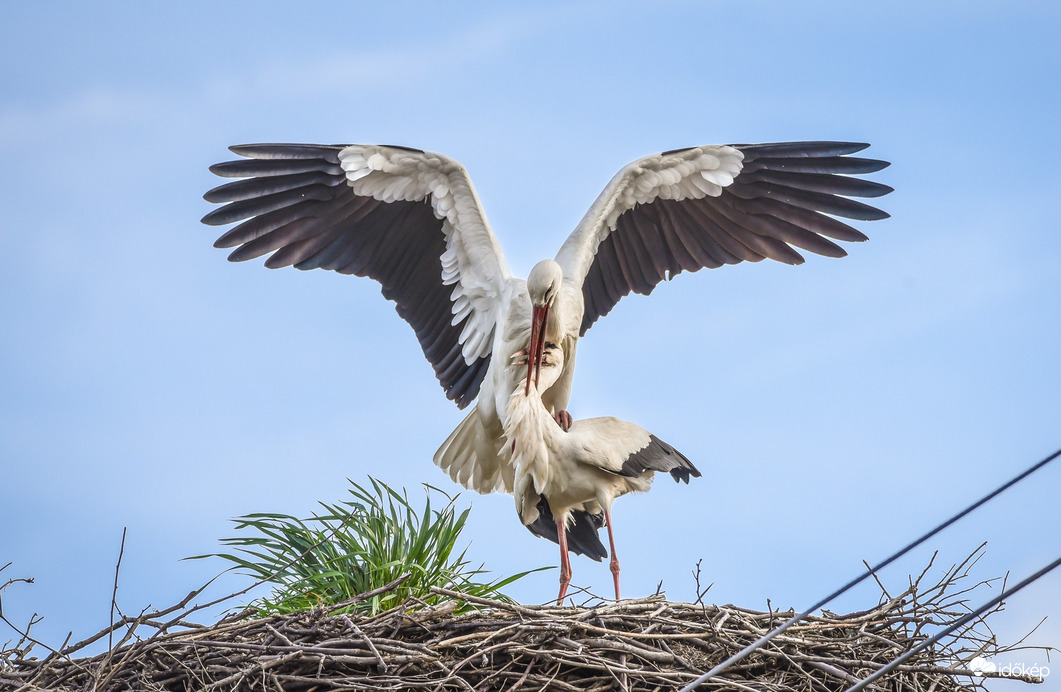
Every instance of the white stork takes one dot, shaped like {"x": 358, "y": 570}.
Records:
{"x": 570, "y": 479}
{"x": 411, "y": 220}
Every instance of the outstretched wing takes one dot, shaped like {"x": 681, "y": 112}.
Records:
{"x": 686, "y": 209}
{"x": 407, "y": 218}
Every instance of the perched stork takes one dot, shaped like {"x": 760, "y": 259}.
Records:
{"x": 411, "y": 220}
{"x": 570, "y": 479}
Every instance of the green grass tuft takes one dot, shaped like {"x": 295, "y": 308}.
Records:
{"x": 357, "y": 546}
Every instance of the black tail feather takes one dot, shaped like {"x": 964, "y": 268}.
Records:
{"x": 582, "y": 538}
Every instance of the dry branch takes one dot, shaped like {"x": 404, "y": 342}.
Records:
{"x": 638, "y": 644}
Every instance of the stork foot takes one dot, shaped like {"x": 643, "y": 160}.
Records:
{"x": 549, "y": 357}
{"x": 564, "y": 420}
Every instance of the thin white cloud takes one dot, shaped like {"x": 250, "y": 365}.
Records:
{"x": 98, "y": 105}
{"x": 402, "y": 64}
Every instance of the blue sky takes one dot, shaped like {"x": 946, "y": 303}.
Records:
{"x": 836, "y": 409}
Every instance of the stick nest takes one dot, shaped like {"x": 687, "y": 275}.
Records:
{"x": 642, "y": 644}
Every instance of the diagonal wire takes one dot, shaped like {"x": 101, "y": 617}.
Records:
{"x": 872, "y": 570}
{"x": 951, "y": 627}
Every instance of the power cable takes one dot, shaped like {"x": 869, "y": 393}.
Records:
{"x": 872, "y": 570}
{"x": 950, "y": 628}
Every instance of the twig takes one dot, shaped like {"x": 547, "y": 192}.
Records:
{"x": 114, "y": 595}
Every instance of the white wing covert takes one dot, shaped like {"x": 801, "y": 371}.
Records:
{"x": 687, "y": 209}
{"x": 408, "y": 218}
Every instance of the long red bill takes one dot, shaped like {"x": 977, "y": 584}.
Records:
{"x": 536, "y": 348}
{"x": 541, "y": 344}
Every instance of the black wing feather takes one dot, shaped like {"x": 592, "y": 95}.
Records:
{"x": 826, "y": 183}
{"x": 260, "y": 168}
{"x": 316, "y": 152}
{"x": 256, "y": 188}
{"x": 728, "y": 242}
{"x": 669, "y": 229}
{"x": 844, "y": 165}
{"x": 260, "y": 225}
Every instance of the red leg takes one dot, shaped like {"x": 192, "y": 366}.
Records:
{"x": 614, "y": 564}
{"x": 565, "y": 562}
{"x": 563, "y": 419}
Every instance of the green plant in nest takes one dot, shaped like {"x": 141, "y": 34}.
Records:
{"x": 357, "y": 546}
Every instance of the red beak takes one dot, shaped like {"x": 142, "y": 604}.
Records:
{"x": 536, "y": 348}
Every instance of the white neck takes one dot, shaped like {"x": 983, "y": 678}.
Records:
{"x": 531, "y": 439}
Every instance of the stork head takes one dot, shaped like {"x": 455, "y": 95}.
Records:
{"x": 543, "y": 286}
{"x": 543, "y": 283}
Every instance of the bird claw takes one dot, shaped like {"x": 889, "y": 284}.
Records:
{"x": 563, "y": 419}
{"x": 520, "y": 358}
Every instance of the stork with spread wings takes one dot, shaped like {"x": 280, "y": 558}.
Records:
{"x": 411, "y": 220}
